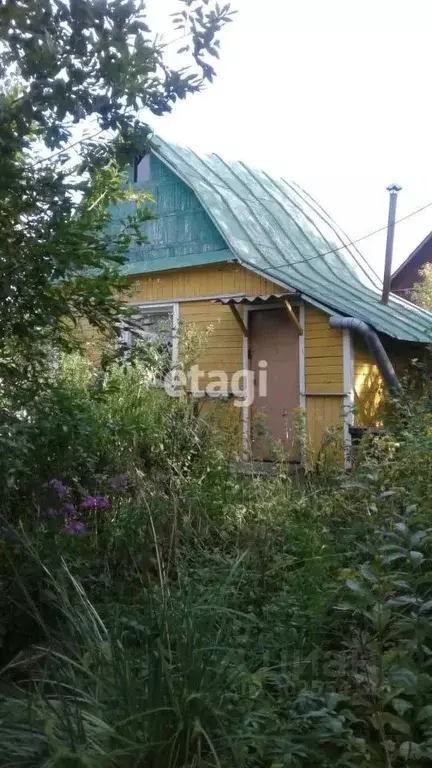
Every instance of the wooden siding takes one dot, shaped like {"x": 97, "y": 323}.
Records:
{"x": 322, "y": 414}
{"x": 323, "y": 354}
{"x": 323, "y": 374}
{"x": 368, "y": 385}
{"x": 181, "y": 226}
{"x": 212, "y": 280}
{"x": 223, "y": 349}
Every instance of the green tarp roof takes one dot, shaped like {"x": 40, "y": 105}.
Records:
{"x": 276, "y": 228}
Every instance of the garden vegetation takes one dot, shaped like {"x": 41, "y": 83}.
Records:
{"x": 157, "y": 608}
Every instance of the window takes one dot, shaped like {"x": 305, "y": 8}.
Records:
{"x": 153, "y": 325}
{"x": 153, "y": 329}
{"x": 141, "y": 169}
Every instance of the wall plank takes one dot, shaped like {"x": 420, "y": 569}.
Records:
{"x": 214, "y": 280}
{"x": 322, "y": 413}
{"x": 323, "y": 353}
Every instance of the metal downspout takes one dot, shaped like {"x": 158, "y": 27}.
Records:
{"x": 375, "y": 346}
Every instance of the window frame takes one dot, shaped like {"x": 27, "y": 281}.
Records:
{"x": 151, "y": 308}
{"x": 142, "y": 175}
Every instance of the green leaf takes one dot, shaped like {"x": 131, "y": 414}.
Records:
{"x": 402, "y": 600}
{"x": 411, "y": 750}
{"x": 416, "y": 538}
{"x": 395, "y": 722}
{"x": 367, "y": 573}
{"x": 401, "y": 527}
{"x": 401, "y": 584}
{"x": 425, "y": 713}
{"x": 425, "y": 607}
{"x": 401, "y": 705}
{"x": 405, "y": 678}
{"x": 393, "y": 556}
{"x": 355, "y": 586}
{"x": 416, "y": 557}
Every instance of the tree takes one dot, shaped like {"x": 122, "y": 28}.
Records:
{"x": 421, "y": 293}
{"x": 81, "y": 68}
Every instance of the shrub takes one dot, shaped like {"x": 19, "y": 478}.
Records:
{"x": 204, "y": 618}
{"x": 85, "y": 430}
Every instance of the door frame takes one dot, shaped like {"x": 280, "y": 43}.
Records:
{"x": 247, "y": 308}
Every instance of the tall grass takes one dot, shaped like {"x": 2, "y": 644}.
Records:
{"x": 189, "y": 673}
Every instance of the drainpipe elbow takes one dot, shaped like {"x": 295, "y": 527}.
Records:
{"x": 375, "y": 346}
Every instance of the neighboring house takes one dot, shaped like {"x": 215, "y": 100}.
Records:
{"x": 254, "y": 256}
{"x": 407, "y": 274}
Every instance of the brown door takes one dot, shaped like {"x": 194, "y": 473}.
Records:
{"x": 274, "y": 339}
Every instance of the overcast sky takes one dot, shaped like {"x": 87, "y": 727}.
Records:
{"x": 334, "y": 94}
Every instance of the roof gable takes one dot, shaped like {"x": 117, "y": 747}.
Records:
{"x": 275, "y": 228}
{"x": 181, "y": 234}
{"x": 407, "y": 273}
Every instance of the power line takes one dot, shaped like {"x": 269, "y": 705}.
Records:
{"x": 263, "y": 245}
{"x": 346, "y": 245}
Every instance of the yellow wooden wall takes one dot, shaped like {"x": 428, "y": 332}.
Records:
{"x": 225, "y": 343}
{"x": 323, "y": 376}
{"x": 203, "y": 281}
{"x": 368, "y": 385}
{"x": 323, "y": 345}
{"x": 224, "y": 350}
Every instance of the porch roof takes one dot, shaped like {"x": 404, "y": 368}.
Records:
{"x": 256, "y": 299}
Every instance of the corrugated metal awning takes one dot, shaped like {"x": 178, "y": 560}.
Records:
{"x": 256, "y": 299}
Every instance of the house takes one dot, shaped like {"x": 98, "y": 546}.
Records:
{"x": 290, "y": 301}
{"x": 407, "y": 274}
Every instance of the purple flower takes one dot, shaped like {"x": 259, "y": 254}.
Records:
{"x": 119, "y": 483}
{"x": 102, "y": 502}
{"x": 59, "y": 488}
{"x": 88, "y": 502}
{"x": 68, "y": 509}
{"x": 50, "y": 513}
{"x": 75, "y": 528}
{"x": 92, "y": 502}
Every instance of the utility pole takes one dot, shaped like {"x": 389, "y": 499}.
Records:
{"x": 393, "y": 190}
